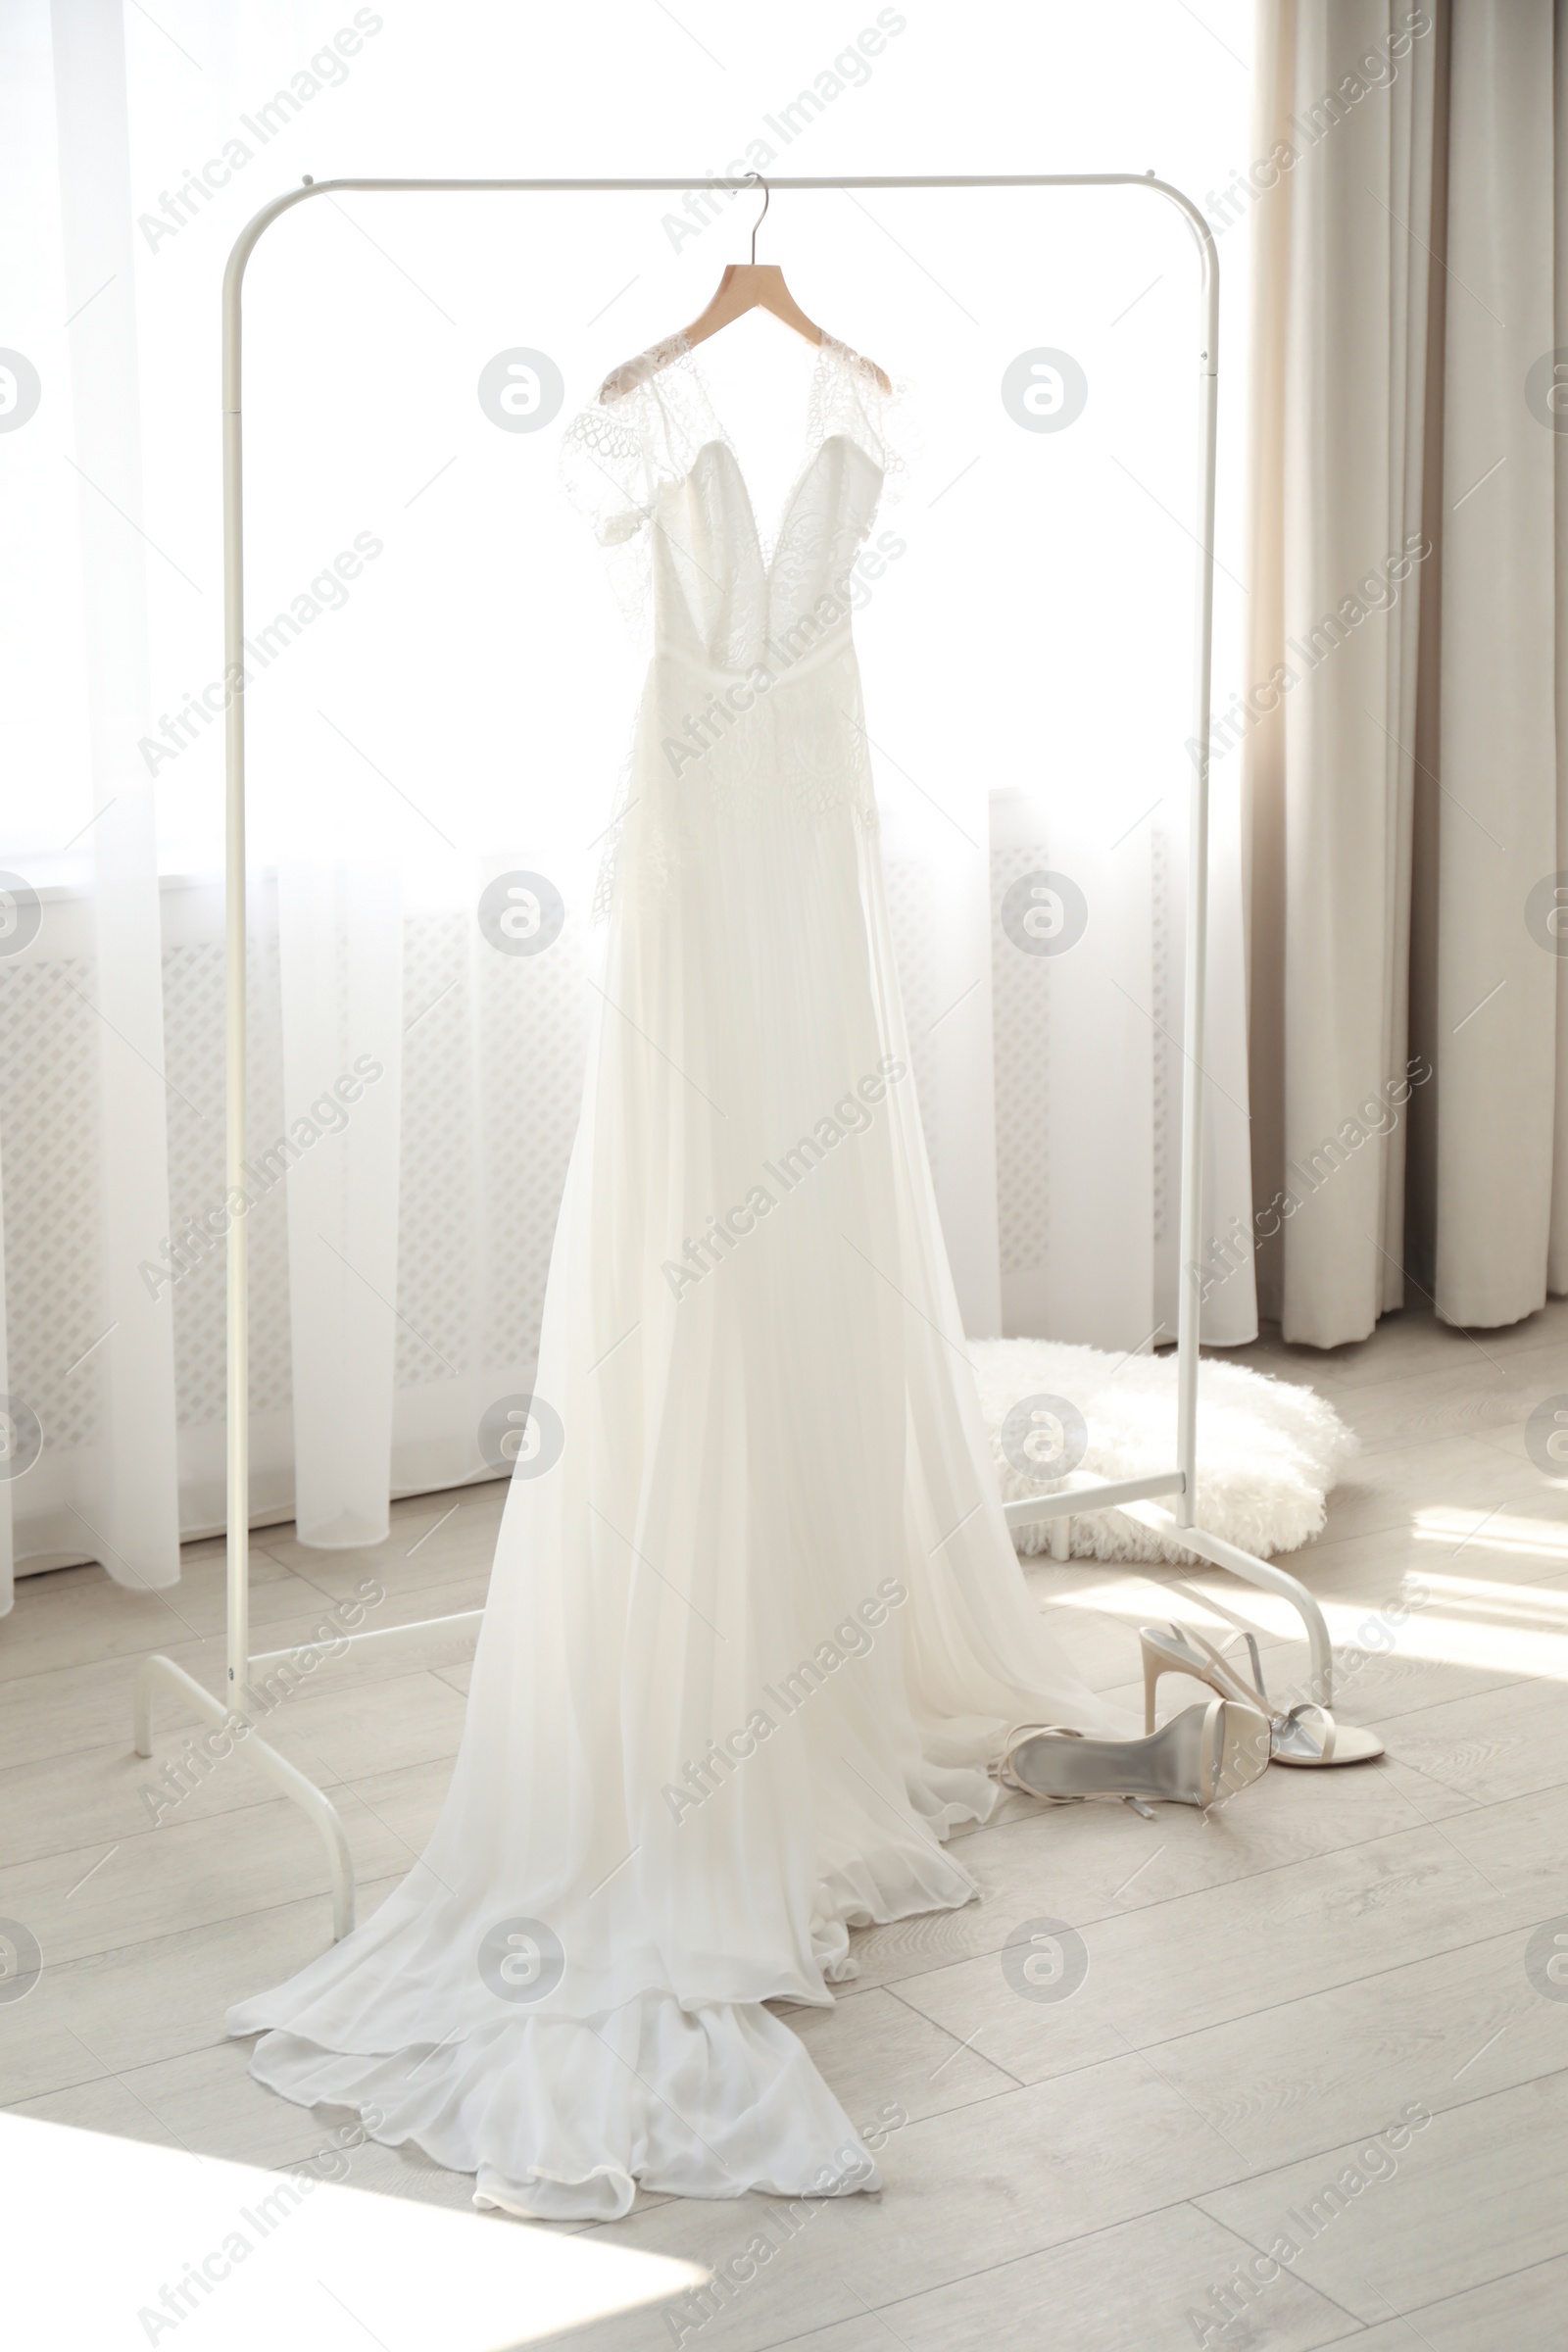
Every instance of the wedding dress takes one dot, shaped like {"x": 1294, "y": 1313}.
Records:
{"x": 755, "y": 1627}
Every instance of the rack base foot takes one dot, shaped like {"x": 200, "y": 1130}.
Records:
{"x": 157, "y": 1672}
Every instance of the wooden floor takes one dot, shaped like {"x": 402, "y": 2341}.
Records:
{"x": 1272, "y": 1992}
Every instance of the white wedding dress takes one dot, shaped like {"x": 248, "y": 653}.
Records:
{"x": 755, "y": 1626}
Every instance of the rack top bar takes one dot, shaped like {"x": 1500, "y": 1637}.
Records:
{"x": 715, "y": 179}
{"x": 245, "y": 242}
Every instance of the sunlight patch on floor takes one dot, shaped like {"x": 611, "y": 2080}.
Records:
{"x": 346, "y": 2264}
{"x": 1493, "y": 1531}
{"x": 1444, "y": 1620}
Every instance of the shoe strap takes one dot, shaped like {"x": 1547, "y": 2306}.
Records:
{"x": 1253, "y": 1694}
{"x": 1291, "y": 1719}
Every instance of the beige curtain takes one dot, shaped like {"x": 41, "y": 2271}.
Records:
{"x": 1400, "y": 741}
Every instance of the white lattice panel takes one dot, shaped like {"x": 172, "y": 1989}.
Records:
{"x": 493, "y": 1059}
{"x": 533, "y": 1031}
{"x": 492, "y": 1082}
{"x": 1167, "y": 1052}
{"x": 912, "y": 919}
{"x": 492, "y": 1086}
{"x": 49, "y": 1052}
{"x": 193, "y": 1049}
{"x": 1021, "y": 1051}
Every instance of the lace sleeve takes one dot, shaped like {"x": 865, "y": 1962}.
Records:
{"x": 608, "y": 471}
{"x": 849, "y": 400}
{"x": 604, "y": 470}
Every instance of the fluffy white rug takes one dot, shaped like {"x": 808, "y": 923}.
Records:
{"x": 1268, "y": 1453}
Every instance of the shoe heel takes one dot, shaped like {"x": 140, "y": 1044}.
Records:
{"x": 1153, "y": 1667}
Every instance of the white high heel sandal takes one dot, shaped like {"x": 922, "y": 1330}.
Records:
{"x": 1294, "y": 1738}
{"x": 1206, "y": 1752}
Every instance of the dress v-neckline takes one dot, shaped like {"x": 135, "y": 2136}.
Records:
{"x": 767, "y": 551}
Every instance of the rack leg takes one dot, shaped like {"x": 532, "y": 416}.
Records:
{"x": 1257, "y": 1572}
{"x": 156, "y": 1671}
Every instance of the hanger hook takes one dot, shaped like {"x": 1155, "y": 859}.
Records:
{"x": 768, "y": 198}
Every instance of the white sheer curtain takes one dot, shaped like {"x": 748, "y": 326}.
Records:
{"x": 1409, "y": 1070}
{"x": 440, "y": 698}
{"x": 112, "y": 1494}
{"x": 1057, "y": 577}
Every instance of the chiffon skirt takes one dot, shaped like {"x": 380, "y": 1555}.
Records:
{"x": 755, "y": 1627}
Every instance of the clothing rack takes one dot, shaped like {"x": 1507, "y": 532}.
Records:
{"x": 1140, "y": 1497}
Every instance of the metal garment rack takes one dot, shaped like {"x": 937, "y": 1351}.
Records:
{"x": 1138, "y": 1497}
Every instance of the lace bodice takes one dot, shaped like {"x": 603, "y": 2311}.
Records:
{"x": 658, "y": 476}
{"x": 751, "y": 715}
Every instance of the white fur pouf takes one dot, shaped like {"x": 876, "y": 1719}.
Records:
{"x": 1268, "y": 1453}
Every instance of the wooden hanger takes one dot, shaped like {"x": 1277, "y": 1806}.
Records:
{"x": 745, "y": 286}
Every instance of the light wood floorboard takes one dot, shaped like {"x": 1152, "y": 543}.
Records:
{"x": 1268, "y": 1989}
